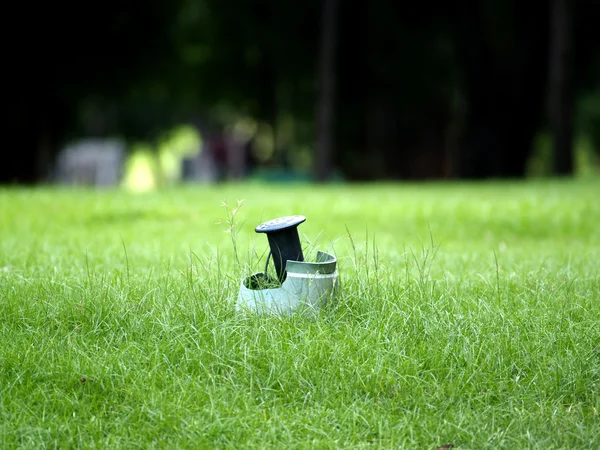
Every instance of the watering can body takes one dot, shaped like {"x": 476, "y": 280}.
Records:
{"x": 307, "y": 287}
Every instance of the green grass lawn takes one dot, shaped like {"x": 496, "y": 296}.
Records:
{"x": 470, "y": 316}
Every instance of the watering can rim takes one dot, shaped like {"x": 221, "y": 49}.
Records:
{"x": 325, "y": 263}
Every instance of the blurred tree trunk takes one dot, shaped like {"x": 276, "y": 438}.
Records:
{"x": 36, "y": 125}
{"x": 561, "y": 92}
{"x": 327, "y": 88}
{"x": 503, "y": 50}
{"x": 377, "y": 140}
{"x": 45, "y": 151}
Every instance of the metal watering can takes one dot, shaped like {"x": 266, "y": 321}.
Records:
{"x": 300, "y": 286}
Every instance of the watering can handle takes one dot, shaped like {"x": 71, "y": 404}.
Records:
{"x": 267, "y": 263}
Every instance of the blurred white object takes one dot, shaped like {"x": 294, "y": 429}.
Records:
{"x": 97, "y": 162}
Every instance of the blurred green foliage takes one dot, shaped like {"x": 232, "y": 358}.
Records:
{"x": 421, "y": 92}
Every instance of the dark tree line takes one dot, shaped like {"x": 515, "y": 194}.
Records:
{"x": 379, "y": 89}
